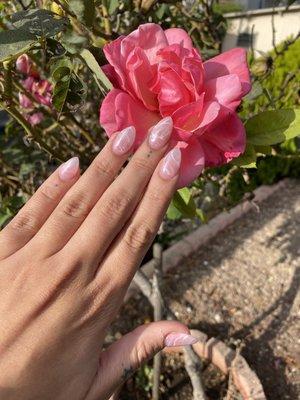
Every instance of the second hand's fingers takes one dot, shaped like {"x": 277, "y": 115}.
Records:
{"x": 76, "y": 205}
{"x": 123, "y": 357}
{"x": 118, "y": 203}
{"x": 36, "y": 211}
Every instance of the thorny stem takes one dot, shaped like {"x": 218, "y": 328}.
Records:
{"x": 33, "y": 133}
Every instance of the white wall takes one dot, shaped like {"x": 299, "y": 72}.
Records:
{"x": 286, "y": 23}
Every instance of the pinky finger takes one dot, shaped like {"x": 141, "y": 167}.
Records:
{"x": 36, "y": 211}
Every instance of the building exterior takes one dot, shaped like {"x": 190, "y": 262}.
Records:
{"x": 254, "y": 27}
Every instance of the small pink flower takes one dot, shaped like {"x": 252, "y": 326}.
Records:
{"x": 35, "y": 119}
{"x": 25, "y": 65}
{"x": 24, "y": 101}
{"x": 159, "y": 73}
{"x": 40, "y": 89}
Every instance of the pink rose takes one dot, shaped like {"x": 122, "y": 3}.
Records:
{"x": 159, "y": 73}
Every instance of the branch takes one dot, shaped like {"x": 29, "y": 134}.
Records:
{"x": 158, "y": 313}
{"x": 143, "y": 283}
{"x": 193, "y": 367}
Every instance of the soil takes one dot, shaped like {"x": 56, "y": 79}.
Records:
{"x": 242, "y": 287}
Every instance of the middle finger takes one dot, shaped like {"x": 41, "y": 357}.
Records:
{"x": 119, "y": 201}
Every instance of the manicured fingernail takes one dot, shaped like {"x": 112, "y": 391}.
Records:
{"x": 124, "y": 141}
{"x": 179, "y": 339}
{"x": 171, "y": 164}
{"x": 69, "y": 169}
{"x": 160, "y": 133}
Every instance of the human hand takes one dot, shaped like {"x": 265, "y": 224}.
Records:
{"x": 66, "y": 261}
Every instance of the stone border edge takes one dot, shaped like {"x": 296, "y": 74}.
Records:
{"x": 175, "y": 254}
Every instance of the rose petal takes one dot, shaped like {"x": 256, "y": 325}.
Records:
{"x": 172, "y": 92}
{"x": 192, "y": 161}
{"x": 210, "y": 113}
{"x": 189, "y": 116}
{"x": 231, "y": 62}
{"x": 225, "y": 140}
{"x": 119, "y": 110}
{"x": 179, "y": 36}
{"x": 141, "y": 75}
{"x": 227, "y": 90}
{"x": 194, "y": 68}
{"x": 149, "y": 37}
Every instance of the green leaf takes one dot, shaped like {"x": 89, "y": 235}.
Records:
{"x": 100, "y": 77}
{"x": 160, "y": 12}
{"x": 184, "y": 203}
{"x": 247, "y": 159}
{"x": 69, "y": 91}
{"x": 272, "y": 127}
{"x": 27, "y": 27}
{"x": 173, "y": 213}
{"x": 61, "y": 74}
{"x": 263, "y": 149}
{"x": 255, "y": 92}
{"x": 39, "y": 22}
{"x": 113, "y": 5}
{"x": 84, "y": 10}
{"x": 73, "y": 42}
{"x": 14, "y": 43}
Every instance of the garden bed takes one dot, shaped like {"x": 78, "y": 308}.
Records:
{"x": 242, "y": 287}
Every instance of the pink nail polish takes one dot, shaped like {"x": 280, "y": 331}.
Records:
{"x": 160, "y": 133}
{"x": 124, "y": 141}
{"x": 179, "y": 339}
{"x": 171, "y": 164}
{"x": 69, "y": 169}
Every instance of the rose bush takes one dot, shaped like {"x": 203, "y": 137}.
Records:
{"x": 158, "y": 73}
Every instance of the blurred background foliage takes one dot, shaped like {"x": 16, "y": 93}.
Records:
{"x": 65, "y": 39}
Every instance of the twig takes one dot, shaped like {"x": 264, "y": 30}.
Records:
{"x": 193, "y": 367}
{"x": 273, "y": 31}
{"x": 105, "y": 14}
{"x": 141, "y": 280}
{"x": 158, "y": 313}
{"x": 230, "y": 393}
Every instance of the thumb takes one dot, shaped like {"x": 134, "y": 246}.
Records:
{"x": 123, "y": 357}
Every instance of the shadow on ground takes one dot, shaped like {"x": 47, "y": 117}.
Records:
{"x": 273, "y": 236}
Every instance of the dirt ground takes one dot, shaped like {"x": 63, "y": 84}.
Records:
{"x": 243, "y": 287}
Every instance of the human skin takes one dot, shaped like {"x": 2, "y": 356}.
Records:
{"x": 66, "y": 261}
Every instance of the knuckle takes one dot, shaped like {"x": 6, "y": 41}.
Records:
{"x": 25, "y": 221}
{"x": 76, "y": 207}
{"x": 142, "y": 352}
{"x": 138, "y": 236}
{"x": 142, "y": 164}
{"x": 104, "y": 167}
{"x": 117, "y": 205}
{"x": 157, "y": 196}
{"x": 49, "y": 193}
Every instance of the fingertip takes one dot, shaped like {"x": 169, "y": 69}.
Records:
{"x": 69, "y": 170}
